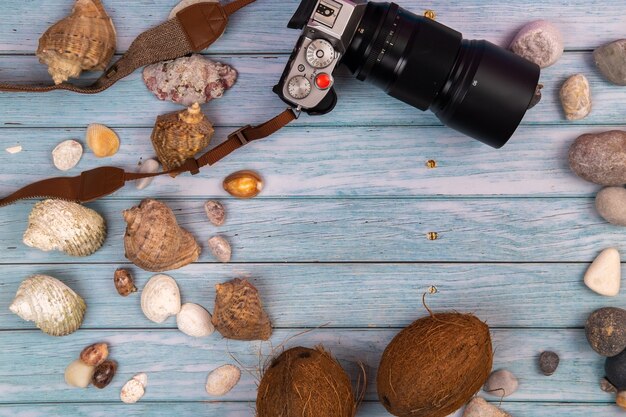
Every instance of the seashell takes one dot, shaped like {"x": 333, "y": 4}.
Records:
{"x": 78, "y": 374}
{"x": 102, "y": 141}
{"x": 95, "y": 354}
{"x": 65, "y": 226}
{"x": 189, "y": 80}
{"x": 84, "y": 40}
{"x": 154, "y": 241}
{"x": 67, "y": 154}
{"x": 239, "y": 313}
{"x": 124, "y": 283}
{"x": 222, "y": 380}
{"x": 52, "y": 305}
{"x": 185, "y": 3}
{"x": 134, "y": 389}
{"x": 243, "y": 184}
{"x": 195, "y": 321}
{"x": 160, "y": 298}
{"x": 104, "y": 373}
{"x": 149, "y": 166}
{"x": 14, "y": 149}
{"x": 178, "y": 136}
{"x": 220, "y": 248}
{"x": 576, "y": 97}
{"x": 215, "y": 212}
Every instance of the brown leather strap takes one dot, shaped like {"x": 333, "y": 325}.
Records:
{"x": 193, "y": 29}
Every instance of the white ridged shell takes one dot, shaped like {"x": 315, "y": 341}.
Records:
{"x": 65, "y": 226}
{"x": 222, "y": 380}
{"x": 194, "y": 320}
{"x": 160, "y": 298}
{"x": 54, "y": 307}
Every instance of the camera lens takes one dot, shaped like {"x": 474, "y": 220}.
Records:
{"x": 474, "y": 87}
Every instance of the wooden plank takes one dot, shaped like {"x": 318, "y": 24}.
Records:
{"x": 243, "y": 409}
{"x": 341, "y": 295}
{"x": 129, "y": 103}
{"x": 331, "y": 162}
{"x": 262, "y": 26}
{"x": 177, "y": 366}
{"x": 376, "y": 230}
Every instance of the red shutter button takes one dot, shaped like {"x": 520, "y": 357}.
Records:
{"x": 323, "y": 81}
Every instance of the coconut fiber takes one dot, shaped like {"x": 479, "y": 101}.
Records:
{"x": 435, "y": 366}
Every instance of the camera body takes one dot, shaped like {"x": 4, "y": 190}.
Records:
{"x": 473, "y": 86}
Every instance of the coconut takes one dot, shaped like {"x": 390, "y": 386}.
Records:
{"x": 304, "y": 382}
{"x": 435, "y": 366}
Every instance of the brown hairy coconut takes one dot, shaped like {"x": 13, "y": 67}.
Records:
{"x": 435, "y": 366}
{"x": 304, "y": 382}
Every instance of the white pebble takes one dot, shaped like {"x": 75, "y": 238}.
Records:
{"x": 540, "y": 42}
{"x": 134, "y": 389}
{"x": 78, "y": 374}
{"x": 14, "y": 149}
{"x": 222, "y": 380}
{"x": 220, "y": 248}
{"x": 501, "y": 383}
{"x": 67, "y": 154}
{"x": 149, "y": 166}
{"x": 604, "y": 275}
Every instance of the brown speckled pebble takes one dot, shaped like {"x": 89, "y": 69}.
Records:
{"x": 548, "y": 362}
{"x": 600, "y": 158}
{"x": 611, "y": 205}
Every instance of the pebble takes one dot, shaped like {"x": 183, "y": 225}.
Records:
{"x": 215, "y": 211}
{"x": 576, "y": 97}
{"x": 478, "y": 407}
{"x": 604, "y": 275}
{"x": 14, "y": 149}
{"x": 600, "y": 157}
{"x": 540, "y": 42}
{"x": 611, "y": 205}
{"x": 606, "y": 386}
{"x": 189, "y": 80}
{"x": 620, "y": 399}
{"x": 78, "y": 374}
{"x": 221, "y": 380}
{"x": 611, "y": 61}
{"x": 615, "y": 370}
{"x": 186, "y": 3}
{"x": 548, "y": 362}
{"x": 606, "y": 331}
{"x": 67, "y": 154}
{"x": 134, "y": 389}
{"x": 220, "y": 248}
{"x": 501, "y": 383}
{"x": 149, "y": 166}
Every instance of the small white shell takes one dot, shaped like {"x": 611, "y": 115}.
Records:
{"x": 222, "y": 380}
{"x": 160, "y": 298}
{"x": 185, "y": 3}
{"x": 14, "y": 149}
{"x": 148, "y": 166}
{"x": 78, "y": 374}
{"x": 220, "y": 248}
{"x": 67, "y": 154}
{"x": 194, "y": 320}
{"x": 134, "y": 389}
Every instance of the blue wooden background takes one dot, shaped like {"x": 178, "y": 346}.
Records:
{"x": 339, "y": 235}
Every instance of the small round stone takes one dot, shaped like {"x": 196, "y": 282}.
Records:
{"x": 606, "y": 386}
{"x": 575, "y": 97}
{"x": 600, "y": 157}
{"x": 501, "y": 383}
{"x": 611, "y": 205}
{"x": 615, "y": 370}
{"x": 606, "y": 332}
{"x": 548, "y": 362}
{"x": 540, "y": 42}
{"x": 620, "y": 399}
{"x": 67, "y": 154}
{"x": 611, "y": 61}
{"x": 215, "y": 211}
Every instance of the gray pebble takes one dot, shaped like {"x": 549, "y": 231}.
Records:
{"x": 606, "y": 386}
{"x": 600, "y": 158}
{"x": 501, "y": 383}
{"x": 611, "y": 61}
{"x": 548, "y": 362}
{"x": 540, "y": 42}
{"x": 611, "y": 205}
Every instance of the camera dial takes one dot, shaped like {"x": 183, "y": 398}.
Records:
{"x": 320, "y": 53}
{"x": 299, "y": 87}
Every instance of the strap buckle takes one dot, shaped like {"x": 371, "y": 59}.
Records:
{"x": 192, "y": 166}
{"x": 239, "y": 135}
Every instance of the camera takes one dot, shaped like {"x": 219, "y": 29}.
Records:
{"x": 472, "y": 86}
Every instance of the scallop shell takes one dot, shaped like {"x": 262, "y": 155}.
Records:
{"x": 194, "y": 320}
{"x": 52, "y": 305}
{"x": 160, "y": 298}
{"x": 67, "y": 154}
{"x": 221, "y": 380}
{"x": 85, "y": 40}
{"x": 102, "y": 141}
{"x": 179, "y": 136}
{"x": 239, "y": 313}
{"x": 153, "y": 239}
{"x": 65, "y": 226}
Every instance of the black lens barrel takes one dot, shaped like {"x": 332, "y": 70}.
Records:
{"x": 474, "y": 87}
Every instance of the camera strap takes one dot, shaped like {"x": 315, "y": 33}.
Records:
{"x": 99, "y": 182}
{"x": 193, "y": 29}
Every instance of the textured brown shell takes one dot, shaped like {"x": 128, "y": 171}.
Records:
{"x": 84, "y": 40}
{"x": 154, "y": 241}
{"x": 434, "y": 366}
{"x": 304, "y": 382}
{"x": 179, "y": 136}
{"x": 239, "y": 313}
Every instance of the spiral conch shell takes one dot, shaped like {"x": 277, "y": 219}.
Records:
{"x": 65, "y": 226}
{"x": 154, "y": 241}
{"x": 52, "y": 305}
{"x": 84, "y": 40}
{"x": 239, "y": 313}
{"x": 178, "y": 136}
